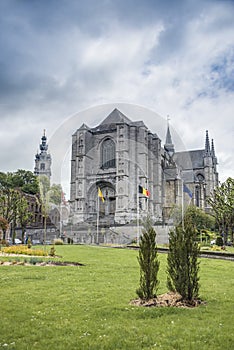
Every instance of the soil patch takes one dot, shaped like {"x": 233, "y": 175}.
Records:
{"x": 42, "y": 263}
{"x": 34, "y": 258}
{"x": 169, "y": 299}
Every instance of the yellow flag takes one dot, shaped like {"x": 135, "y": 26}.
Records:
{"x": 100, "y": 195}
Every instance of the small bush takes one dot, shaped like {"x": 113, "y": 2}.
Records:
{"x": 34, "y": 261}
{"x": 29, "y": 243}
{"x": 58, "y": 241}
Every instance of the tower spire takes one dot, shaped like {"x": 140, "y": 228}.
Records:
{"x": 213, "y": 152}
{"x": 169, "y": 147}
{"x": 212, "y": 148}
{"x": 207, "y": 144}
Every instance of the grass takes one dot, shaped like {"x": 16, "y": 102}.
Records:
{"x": 87, "y": 307}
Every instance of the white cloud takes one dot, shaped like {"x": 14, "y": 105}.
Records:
{"x": 167, "y": 66}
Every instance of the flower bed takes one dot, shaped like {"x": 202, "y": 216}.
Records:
{"x": 24, "y": 250}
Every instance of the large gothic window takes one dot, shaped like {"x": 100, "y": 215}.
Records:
{"x": 108, "y": 154}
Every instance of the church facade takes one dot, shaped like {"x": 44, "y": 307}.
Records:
{"x": 135, "y": 173}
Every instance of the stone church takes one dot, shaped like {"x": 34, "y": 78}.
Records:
{"x": 135, "y": 173}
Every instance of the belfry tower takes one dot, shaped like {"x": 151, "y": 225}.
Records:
{"x": 43, "y": 159}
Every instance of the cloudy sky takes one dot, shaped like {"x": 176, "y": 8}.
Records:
{"x": 59, "y": 58}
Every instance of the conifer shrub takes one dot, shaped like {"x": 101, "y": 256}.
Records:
{"x": 219, "y": 241}
{"x": 149, "y": 264}
{"x": 182, "y": 261}
{"x": 52, "y": 251}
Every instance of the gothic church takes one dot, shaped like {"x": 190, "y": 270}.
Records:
{"x": 121, "y": 156}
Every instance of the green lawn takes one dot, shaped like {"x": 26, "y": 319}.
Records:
{"x": 87, "y": 307}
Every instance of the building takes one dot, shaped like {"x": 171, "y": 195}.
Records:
{"x": 43, "y": 159}
{"x": 135, "y": 173}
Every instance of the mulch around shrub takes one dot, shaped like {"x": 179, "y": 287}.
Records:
{"x": 169, "y": 299}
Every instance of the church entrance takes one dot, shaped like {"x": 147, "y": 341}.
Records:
{"x": 104, "y": 208}
{"x": 107, "y": 205}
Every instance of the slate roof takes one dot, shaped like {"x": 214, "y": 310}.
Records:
{"x": 116, "y": 117}
{"x": 170, "y": 173}
{"x": 190, "y": 159}
{"x": 188, "y": 176}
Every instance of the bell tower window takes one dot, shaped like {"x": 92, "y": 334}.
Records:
{"x": 108, "y": 154}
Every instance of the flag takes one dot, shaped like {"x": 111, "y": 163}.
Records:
{"x": 144, "y": 191}
{"x": 100, "y": 195}
{"x": 187, "y": 190}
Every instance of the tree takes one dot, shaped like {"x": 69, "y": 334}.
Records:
{"x": 148, "y": 261}
{"x": 13, "y": 203}
{"x": 3, "y": 224}
{"x": 24, "y": 216}
{"x": 182, "y": 261}
{"x": 200, "y": 219}
{"x": 26, "y": 181}
{"x": 9, "y": 200}
{"x": 44, "y": 186}
{"x": 222, "y": 204}
{"x": 56, "y": 193}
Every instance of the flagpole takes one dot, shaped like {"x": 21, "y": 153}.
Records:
{"x": 98, "y": 207}
{"x": 138, "y": 209}
{"x": 182, "y": 205}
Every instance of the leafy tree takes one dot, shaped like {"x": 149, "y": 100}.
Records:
{"x": 182, "y": 261}
{"x": 56, "y": 194}
{"x": 24, "y": 216}
{"x": 9, "y": 200}
{"x": 200, "y": 219}
{"x": 222, "y": 204}
{"x": 148, "y": 261}
{"x": 26, "y": 181}
{"x": 13, "y": 205}
{"x": 23, "y": 180}
{"x": 3, "y": 224}
{"x": 44, "y": 186}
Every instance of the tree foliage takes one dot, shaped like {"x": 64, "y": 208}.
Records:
{"x": 13, "y": 203}
{"x": 23, "y": 180}
{"x": 200, "y": 219}
{"x": 24, "y": 215}
{"x": 148, "y": 261}
{"x": 222, "y": 204}
{"x": 182, "y": 261}
{"x": 3, "y": 224}
{"x": 56, "y": 194}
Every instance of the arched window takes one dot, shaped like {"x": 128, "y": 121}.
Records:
{"x": 108, "y": 154}
{"x": 42, "y": 167}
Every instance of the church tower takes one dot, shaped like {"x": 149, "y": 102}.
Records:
{"x": 43, "y": 159}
